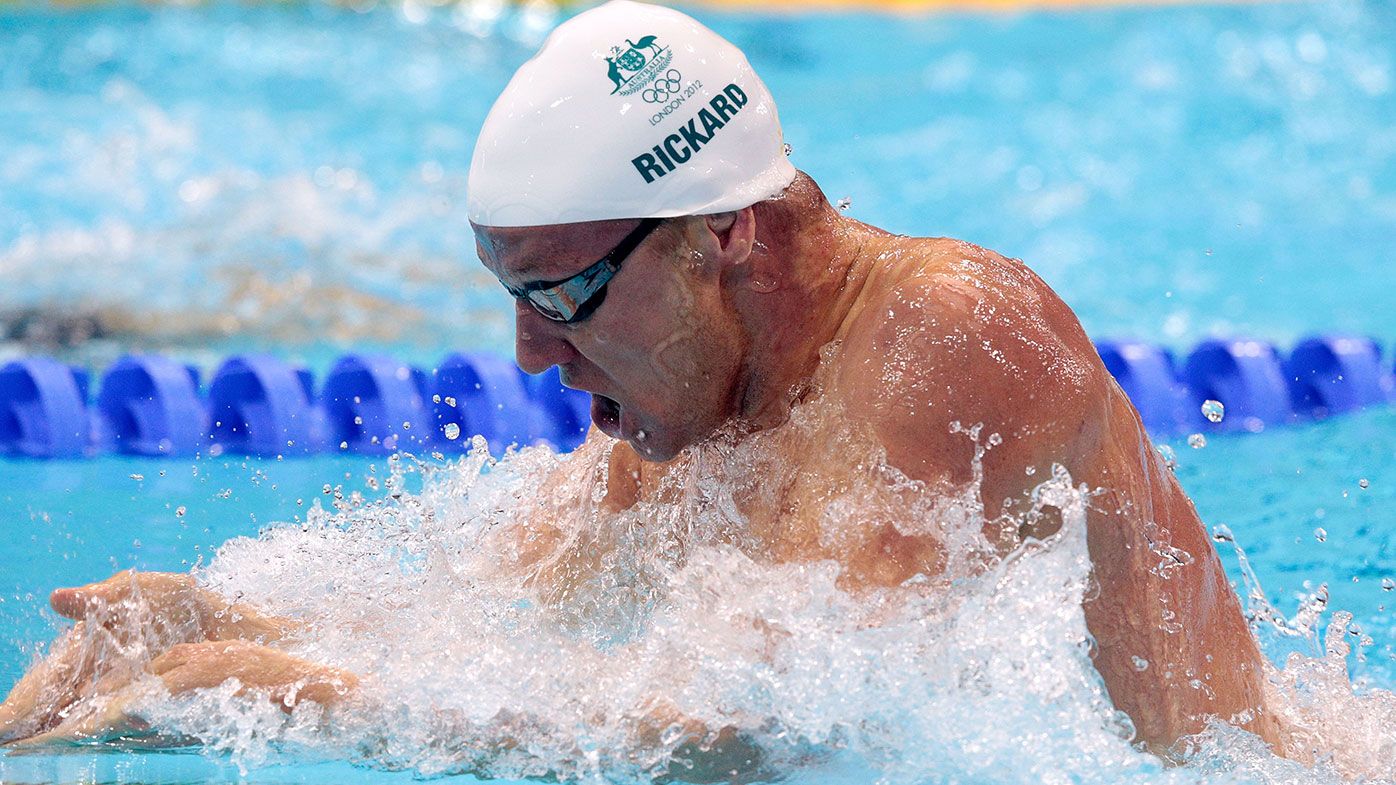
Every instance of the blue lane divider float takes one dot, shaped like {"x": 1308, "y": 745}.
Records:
{"x": 374, "y": 404}
{"x": 43, "y": 409}
{"x": 568, "y": 409}
{"x": 1245, "y": 376}
{"x": 484, "y": 394}
{"x": 150, "y": 405}
{"x": 261, "y": 405}
{"x": 1335, "y": 374}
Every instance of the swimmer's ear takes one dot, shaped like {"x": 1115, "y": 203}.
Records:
{"x": 732, "y": 234}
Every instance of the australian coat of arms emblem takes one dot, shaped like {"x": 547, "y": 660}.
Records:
{"x": 638, "y": 63}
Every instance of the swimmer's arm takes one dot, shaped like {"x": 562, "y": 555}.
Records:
{"x": 996, "y": 346}
{"x": 953, "y": 350}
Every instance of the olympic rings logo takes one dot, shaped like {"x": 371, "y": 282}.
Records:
{"x": 663, "y": 87}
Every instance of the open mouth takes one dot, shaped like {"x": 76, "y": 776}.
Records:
{"x": 605, "y": 412}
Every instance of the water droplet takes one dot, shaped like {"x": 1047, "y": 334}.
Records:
{"x": 1197, "y": 441}
{"x": 845, "y": 203}
{"x": 763, "y": 283}
{"x": 344, "y": 445}
{"x": 180, "y": 510}
{"x": 1170, "y": 460}
{"x": 1222, "y": 533}
{"x": 138, "y": 477}
{"x": 358, "y": 420}
{"x": 436, "y": 398}
{"x": 788, "y": 149}
{"x": 327, "y": 489}
{"x": 1321, "y": 534}
{"x": 1213, "y": 410}
{"x": 1388, "y": 584}
{"x": 1140, "y": 664}
{"x": 450, "y": 401}
{"x": 452, "y": 431}
{"x": 641, "y": 435}
{"x": 1362, "y": 483}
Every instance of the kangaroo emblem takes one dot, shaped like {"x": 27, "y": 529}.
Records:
{"x": 614, "y": 73}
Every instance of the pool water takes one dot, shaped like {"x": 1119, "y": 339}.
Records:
{"x": 291, "y": 178}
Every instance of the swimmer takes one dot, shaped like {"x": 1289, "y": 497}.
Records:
{"x": 666, "y": 255}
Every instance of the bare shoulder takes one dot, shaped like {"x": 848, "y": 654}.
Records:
{"x": 949, "y": 291}
{"x": 949, "y": 332}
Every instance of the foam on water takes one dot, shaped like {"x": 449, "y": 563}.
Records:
{"x": 295, "y": 257}
{"x": 670, "y": 610}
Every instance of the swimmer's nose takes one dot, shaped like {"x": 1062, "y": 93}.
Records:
{"x": 538, "y": 342}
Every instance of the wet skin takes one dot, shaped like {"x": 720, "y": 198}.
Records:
{"x": 715, "y": 325}
{"x": 929, "y": 332}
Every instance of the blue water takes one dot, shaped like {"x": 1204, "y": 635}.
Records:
{"x": 293, "y": 176}
{"x": 290, "y": 177}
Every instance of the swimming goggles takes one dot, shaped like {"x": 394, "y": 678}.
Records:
{"x": 574, "y": 299}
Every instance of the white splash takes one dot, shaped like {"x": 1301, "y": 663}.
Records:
{"x": 981, "y": 675}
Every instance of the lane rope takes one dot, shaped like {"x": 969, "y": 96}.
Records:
{"x": 151, "y": 405}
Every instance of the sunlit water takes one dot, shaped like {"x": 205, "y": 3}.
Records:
{"x": 292, "y": 178}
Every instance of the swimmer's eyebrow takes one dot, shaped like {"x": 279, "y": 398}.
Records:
{"x": 527, "y": 274}
{"x": 531, "y": 272}
{"x": 532, "y": 275}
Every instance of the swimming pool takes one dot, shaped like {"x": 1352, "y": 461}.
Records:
{"x": 291, "y": 178}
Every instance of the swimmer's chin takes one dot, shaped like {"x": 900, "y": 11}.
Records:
{"x": 612, "y": 419}
{"x": 649, "y": 451}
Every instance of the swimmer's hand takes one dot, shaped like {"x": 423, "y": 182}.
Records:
{"x": 283, "y": 679}
{"x": 172, "y": 601}
{"x": 123, "y": 623}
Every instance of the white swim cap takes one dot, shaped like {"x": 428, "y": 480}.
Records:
{"x": 628, "y": 111}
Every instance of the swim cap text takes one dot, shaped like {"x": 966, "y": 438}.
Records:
{"x": 678, "y": 148}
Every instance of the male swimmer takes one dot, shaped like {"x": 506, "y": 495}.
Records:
{"x": 639, "y": 205}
